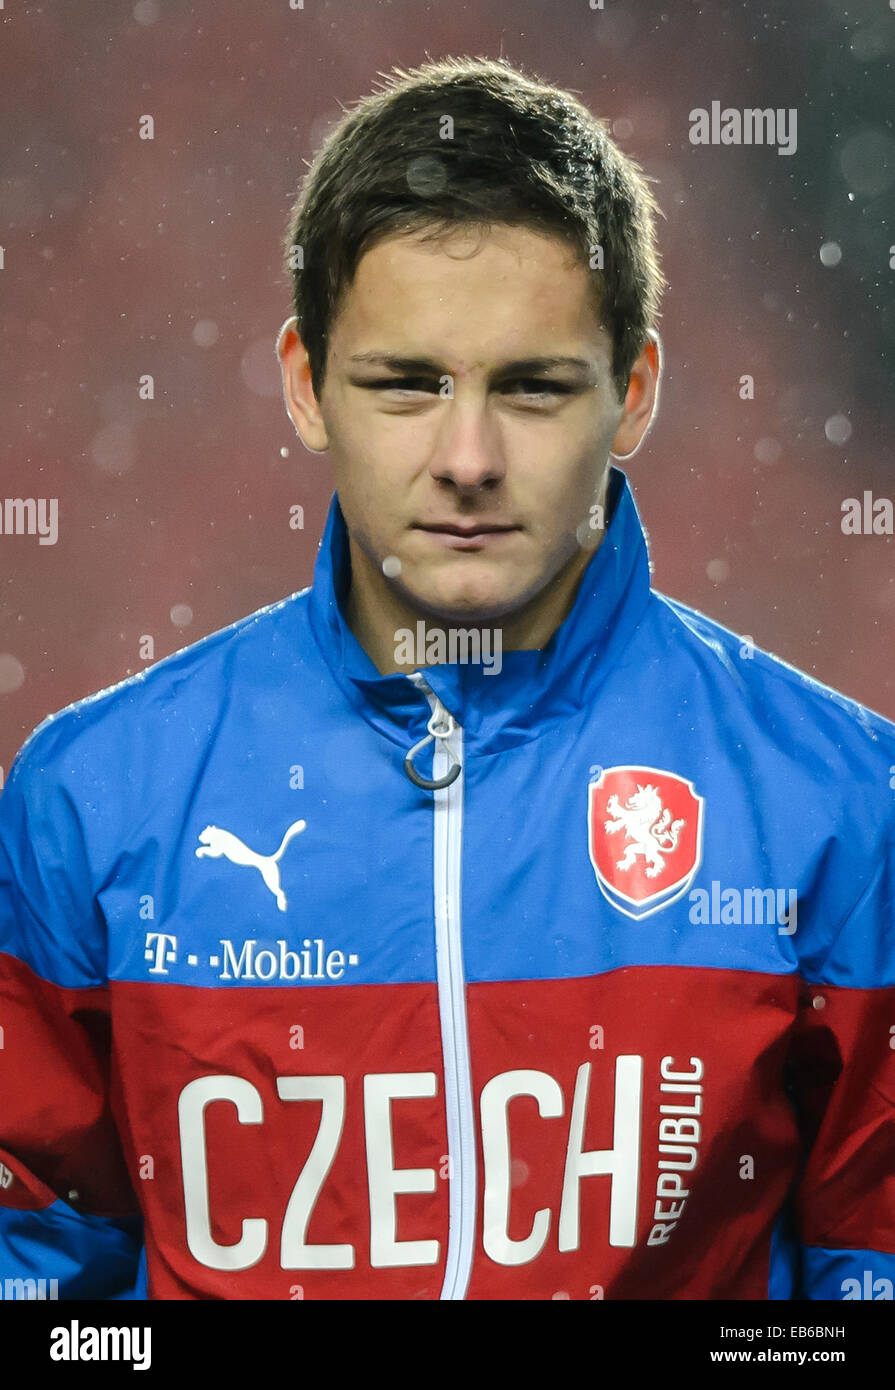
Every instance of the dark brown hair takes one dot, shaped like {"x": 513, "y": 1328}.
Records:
{"x": 474, "y": 141}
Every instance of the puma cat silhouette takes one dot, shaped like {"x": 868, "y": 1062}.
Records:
{"x": 215, "y": 842}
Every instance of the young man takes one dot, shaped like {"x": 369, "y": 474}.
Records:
{"x": 477, "y": 923}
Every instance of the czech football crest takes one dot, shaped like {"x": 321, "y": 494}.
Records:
{"x": 644, "y": 830}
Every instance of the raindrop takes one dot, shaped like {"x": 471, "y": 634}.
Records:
{"x": 519, "y": 1172}
{"x": 205, "y": 333}
{"x": 147, "y": 11}
{"x": 426, "y": 175}
{"x": 838, "y": 429}
{"x": 867, "y": 162}
{"x": 12, "y": 673}
{"x": 113, "y": 448}
{"x": 260, "y": 370}
{"x": 767, "y": 450}
{"x": 871, "y": 40}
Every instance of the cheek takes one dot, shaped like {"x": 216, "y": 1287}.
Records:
{"x": 369, "y": 447}
{"x": 370, "y": 500}
{"x": 354, "y": 464}
{"x": 560, "y": 492}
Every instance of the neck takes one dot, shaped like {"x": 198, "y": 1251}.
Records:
{"x": 375, "y": 611}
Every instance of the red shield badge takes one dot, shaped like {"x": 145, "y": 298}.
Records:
{"x": 644, "y": 830}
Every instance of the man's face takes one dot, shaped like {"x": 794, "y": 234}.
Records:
{"x": 441, "y": 410}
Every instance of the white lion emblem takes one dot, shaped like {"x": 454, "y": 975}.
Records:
{"x": 648, "y": 825}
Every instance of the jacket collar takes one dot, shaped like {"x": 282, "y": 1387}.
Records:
{"x": 532, "y": 688}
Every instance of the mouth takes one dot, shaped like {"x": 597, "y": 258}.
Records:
{"x": 470, "y": 537}
{"x": 476, "y": 528}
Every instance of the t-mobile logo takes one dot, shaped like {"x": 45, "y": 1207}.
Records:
{"x": 160, "y": 948}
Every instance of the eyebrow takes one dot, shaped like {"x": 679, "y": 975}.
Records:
{"x": 428, "y": 364}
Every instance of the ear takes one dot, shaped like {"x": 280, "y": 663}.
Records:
{"x": 641, "y": 399}
{"x": 301, "y": 404}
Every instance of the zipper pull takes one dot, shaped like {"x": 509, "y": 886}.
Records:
{"x": 441, "y": 725}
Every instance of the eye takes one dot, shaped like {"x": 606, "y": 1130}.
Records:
{"x": 537, "y": 389}
{"x": 408, "y": 385}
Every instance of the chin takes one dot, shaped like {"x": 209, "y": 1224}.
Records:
{"x": 476, "y": 606}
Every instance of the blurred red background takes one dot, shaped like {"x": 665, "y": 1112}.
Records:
{"x": 125, "y": 257}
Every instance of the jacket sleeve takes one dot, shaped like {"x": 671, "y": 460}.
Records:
{"x": 844, "y": 1084}
{"x": 68, "y": 1212}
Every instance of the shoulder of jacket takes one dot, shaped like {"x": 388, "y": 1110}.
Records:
{"x": 192, "y": 672}
{"x": 777, "y": 691}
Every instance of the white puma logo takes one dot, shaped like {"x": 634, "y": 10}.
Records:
{"x": 215, "y": 842}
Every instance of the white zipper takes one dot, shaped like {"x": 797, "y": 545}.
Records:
{"x": 448, "y": 836}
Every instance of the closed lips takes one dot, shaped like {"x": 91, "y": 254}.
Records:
{"x": 467, "y": 530}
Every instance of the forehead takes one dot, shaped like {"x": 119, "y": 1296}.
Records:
{"x": 479, "y": 293}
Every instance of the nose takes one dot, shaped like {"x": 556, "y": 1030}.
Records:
{"x": 469, "y": 451}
